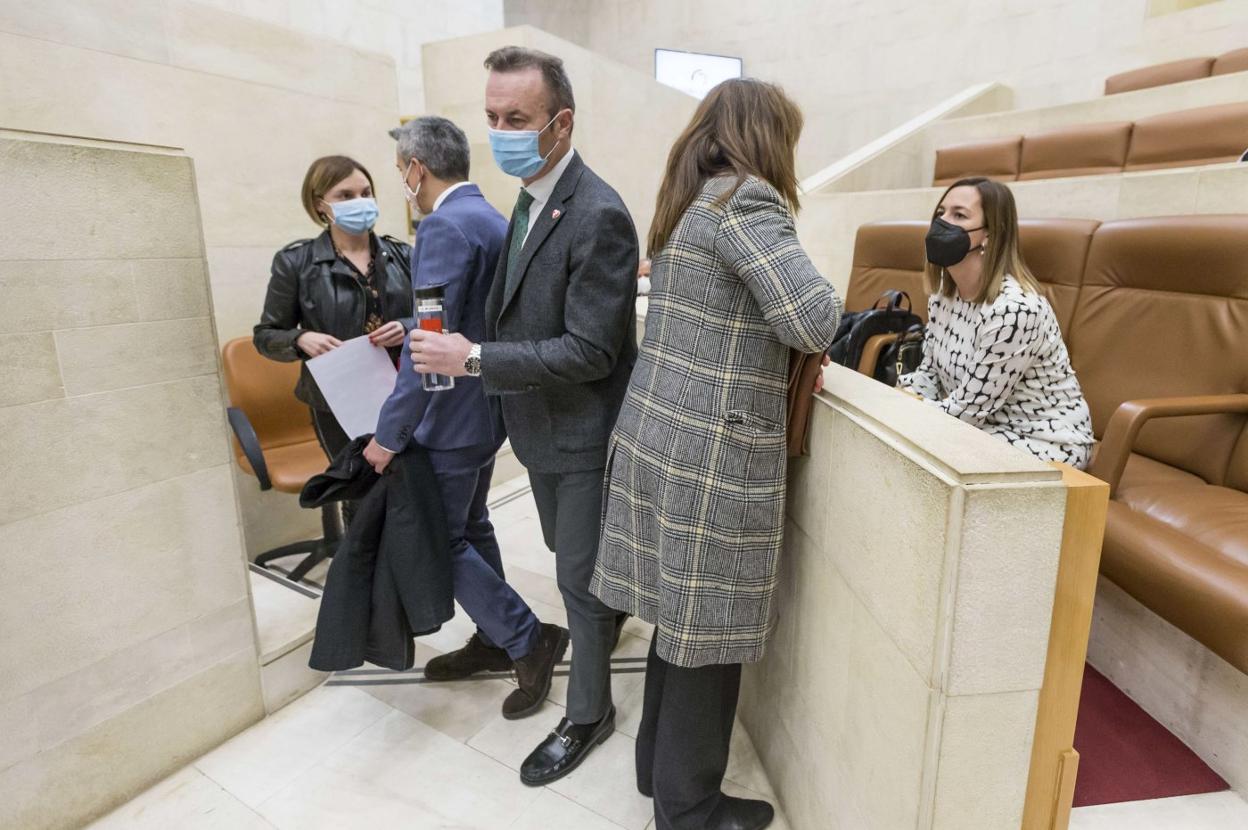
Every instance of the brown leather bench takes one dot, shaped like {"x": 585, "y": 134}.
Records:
{"x": 1205, "y": 135}
{"x": 995, "y": 159}
{"x": 1236, "y": 61}
{"x": 1173, "y": 72}
{"x": 1155, "y": 314}
{"x": 1161, "y": 74}
{"x": 890, "y": 255}
{"x": 1085, "y": 150}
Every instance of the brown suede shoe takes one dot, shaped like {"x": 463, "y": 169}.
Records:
{"x": 474, "y": 657}
{"x": 533, "y": 673}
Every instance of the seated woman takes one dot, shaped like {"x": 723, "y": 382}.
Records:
{"x": 993, "y": 355}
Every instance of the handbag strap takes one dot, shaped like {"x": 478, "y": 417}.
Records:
{"x": 893, "y": 301}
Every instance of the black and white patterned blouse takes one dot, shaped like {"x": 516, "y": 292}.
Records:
{"x": 1003, "y": 367}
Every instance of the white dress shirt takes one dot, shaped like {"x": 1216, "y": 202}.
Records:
{"x": 542, "y": 189}
{"x": 437, "y": 203}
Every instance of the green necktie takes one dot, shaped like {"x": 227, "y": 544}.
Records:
{"x": 521, "y": 227}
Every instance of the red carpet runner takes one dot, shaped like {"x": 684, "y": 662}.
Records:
{"x": 1125, "y": 755}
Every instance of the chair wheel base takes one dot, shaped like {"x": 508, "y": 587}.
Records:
{"x": 317, "y": 550}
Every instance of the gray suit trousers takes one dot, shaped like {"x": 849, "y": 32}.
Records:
{"x": 570, "y": 507}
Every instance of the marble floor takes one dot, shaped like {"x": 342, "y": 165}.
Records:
{"x": 1212, "y": 811}
{"x": 375, "y": 750}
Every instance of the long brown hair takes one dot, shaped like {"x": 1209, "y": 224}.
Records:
{"x": 323, "y": 174}
{"x": 743, "y": 127}
{"x": 1001, "y": 254}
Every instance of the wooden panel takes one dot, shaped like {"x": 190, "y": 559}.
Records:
{"x": 1051, "y": 785}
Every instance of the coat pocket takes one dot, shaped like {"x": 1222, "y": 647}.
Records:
{"x": 756, "y": 450}
{"x": 756, "y": 425}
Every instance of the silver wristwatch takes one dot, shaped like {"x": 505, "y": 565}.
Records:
{"x": 472, "y": 363}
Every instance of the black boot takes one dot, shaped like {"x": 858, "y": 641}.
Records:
{"x": 565, "y": 749}
{"x": 533, "y": 673}
{"x": 474, "y": 657}
{"x": 741, "y": 814}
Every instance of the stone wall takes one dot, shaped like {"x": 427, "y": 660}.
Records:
{"x": 858, "y": 69}
{"x": 128, "y": 643}
{"x": 900, "y": 689}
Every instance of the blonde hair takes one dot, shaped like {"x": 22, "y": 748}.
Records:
{"x": 1001, "y": 254}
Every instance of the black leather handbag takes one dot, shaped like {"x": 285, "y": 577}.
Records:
{"x": 902, "y": 356}
{"x": 891, "y": 314}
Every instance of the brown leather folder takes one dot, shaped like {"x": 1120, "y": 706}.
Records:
{"x": 803, "y": 369}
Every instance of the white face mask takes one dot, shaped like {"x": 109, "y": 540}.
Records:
{"x": 412, "y": 194}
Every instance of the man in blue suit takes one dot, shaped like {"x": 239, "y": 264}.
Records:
{"x": 457, "y": 247}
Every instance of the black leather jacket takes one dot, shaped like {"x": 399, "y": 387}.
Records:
{"x": 311, "y": 289}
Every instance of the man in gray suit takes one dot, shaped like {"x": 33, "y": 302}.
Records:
{"x": 559, "y": 348}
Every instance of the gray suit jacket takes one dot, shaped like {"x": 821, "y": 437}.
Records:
{"x": 561, "y": 343}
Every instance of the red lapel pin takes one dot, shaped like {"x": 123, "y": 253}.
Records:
{"x": 554, "y": 214}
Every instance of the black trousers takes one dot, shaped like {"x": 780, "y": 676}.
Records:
{"x": 569, "y": 506}
{"x": 683, "y": 740}
{"x": 333, "y": 439}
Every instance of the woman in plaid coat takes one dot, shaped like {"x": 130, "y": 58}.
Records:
{"x": 693, "y": 520}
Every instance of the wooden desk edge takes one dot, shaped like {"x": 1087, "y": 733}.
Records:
{"x": 1054, "y": 762}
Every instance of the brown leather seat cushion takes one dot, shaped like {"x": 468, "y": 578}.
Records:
{"x": 1175, "y": 538}
{"x": 1145, "y": 280}
{"x": 1177, "y": 534}
{"x": 1083, "y": 150}
{"x": 1189, "y": 69}
{"x": 264, "y": 390}
{"x": 1237, "y": 468}
{"x": 1228, "y": 62}
{"x": 1205, "y": 135}
{"x": 996, "y": 159}
{"x": 291, "y": 466}
{"x": 888, "y": 256}
{"x": 1214, "y": 516}
{"x": 1056, "y": 251}
{"x": 1198, "y": 588}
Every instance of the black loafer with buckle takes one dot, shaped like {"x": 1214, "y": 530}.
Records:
{"x": 565, "y": 749}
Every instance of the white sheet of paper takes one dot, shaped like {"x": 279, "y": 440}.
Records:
{"x": 355, "y": 378}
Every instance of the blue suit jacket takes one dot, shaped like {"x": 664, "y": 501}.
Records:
{"x": 457, "y": 246}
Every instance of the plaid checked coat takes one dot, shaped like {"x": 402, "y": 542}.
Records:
{"x": 693, "y": 518}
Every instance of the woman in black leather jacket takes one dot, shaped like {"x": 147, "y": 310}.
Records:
{"x": 345, "y": 283}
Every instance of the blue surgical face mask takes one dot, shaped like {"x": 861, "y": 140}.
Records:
{"x": 355, "y": 215}
{"x": 413, "y": 195}
{"x": 516, "y": 151}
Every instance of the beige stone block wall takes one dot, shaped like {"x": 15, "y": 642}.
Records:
{"x": 393, "y": 28}
{"x": 901, "y": 686}
{"x": 253, "y": 102}
{"x": 625, "y": 121}
{"x": 896, "y": 159}
{"x": 129, "y": 645}
{"x": 860, "y": 69}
